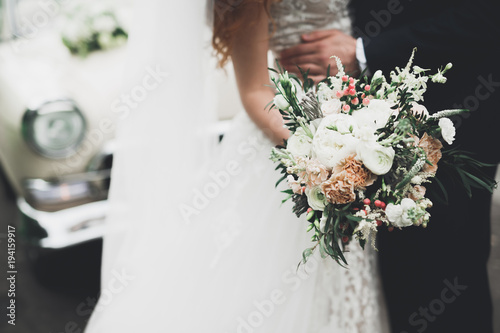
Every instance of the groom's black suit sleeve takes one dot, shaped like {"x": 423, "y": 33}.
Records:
{"x": 435, "y": 279}
{"x": 464, "y": 29}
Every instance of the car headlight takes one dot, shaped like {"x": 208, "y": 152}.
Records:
{"x": 55, "y": 129}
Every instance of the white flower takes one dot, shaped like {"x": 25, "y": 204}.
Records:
{"x": 105, "y": 40}
{"x": 417, "y": 180}
{"x": 377, "y": 158}
{"x": 331, "y": 107}
{"x": 294, "y": 184}
{"x": 447, "y": 130}
{"x": 378, "y": 77}
{"x": 375, "y": 115}
{"x": 315, "y": 198}
{"x": 331, "y": 146}
{"x": 299, "y": 144}
{"x": 398, "y": 214}
{"x": 439, "y": 78}
{"x": 366, "y": 133}
{"x": 419, "y": 110}
{"x": 314, "y": 125}
{"x": 336, "y": 84}
{"x": 104, "y": 23}
{"x": 280, "y": 102}
{"x": 324, "y": 92}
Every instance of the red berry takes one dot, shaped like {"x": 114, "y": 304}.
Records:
{"x": 352, "y": 92}
{"x": 355, "y": 101}
{"x": 367, "y": 87}
{"x": 379, "y": 223}
{"x": 367, "y": 201}
{"x": 366, "y": 101}
{"x": 345, "y": 239}
{"x": 352, "y": 86}
{"x": 345, "y": 78}
{"x": 340, "y": 93}
{"x": 390, "y": 229}
{"x": 346, "y": 108}
{"x": 309, "y": 210}
{"x": 351, "y": 79}
{"x": 383, "y": 205}
{"x": 378, "y": 203}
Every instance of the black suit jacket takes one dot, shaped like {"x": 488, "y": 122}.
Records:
{"x": 423, "y": 270}
{"x": 466, "y": 33}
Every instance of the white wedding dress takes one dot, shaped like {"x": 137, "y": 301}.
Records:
{"x": 207, "y": 247}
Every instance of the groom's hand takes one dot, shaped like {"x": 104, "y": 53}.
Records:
{"x": 316, "y": 50}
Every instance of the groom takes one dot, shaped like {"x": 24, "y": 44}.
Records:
{"x": 434, "y": 279}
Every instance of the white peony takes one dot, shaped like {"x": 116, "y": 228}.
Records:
{"x": 299, "y": 144}
{"x": 331, "y": 146}
{"x": 375, "y": 115}
{"x": 398, "y": 214}
{"x": 331, "y": 107}
{"x": 315, "y": 198}
{"x": 314, "y": 125}
{"x": 280, "y": 102}
{"x": 447, "y": 130}
{"x": 377, "y": 158}
{"x": 366, "y": 133}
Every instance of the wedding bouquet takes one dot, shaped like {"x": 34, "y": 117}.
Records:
{"x": 362, "y": 151}
{"x": 88, "y": 28}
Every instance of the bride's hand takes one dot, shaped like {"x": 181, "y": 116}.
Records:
{"x": 316, "y": 50}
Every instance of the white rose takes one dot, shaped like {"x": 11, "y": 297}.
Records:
{"x": 280, "y": 102}
{"x": 447, "y": 130}
{"x": 331, "y": 107}
{"x": 299, "y": 144}
{"x": 377, "y": 158}
{"x": 398, "y": 214}
{"x": 330, "y": 147}
{"x": 315, "y": 198}
{"x": 375, "y": 115}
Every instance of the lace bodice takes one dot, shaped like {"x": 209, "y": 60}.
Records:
{"x": 295, "y": 17}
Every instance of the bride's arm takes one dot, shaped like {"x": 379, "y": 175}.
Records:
{"x": 249, "y": 58}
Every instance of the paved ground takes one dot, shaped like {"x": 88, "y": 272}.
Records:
{"x": 55, "y": 299}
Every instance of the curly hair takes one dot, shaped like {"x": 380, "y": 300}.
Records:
{"x": 229, "y": 17}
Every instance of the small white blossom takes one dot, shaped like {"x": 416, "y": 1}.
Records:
{"x": 447, "y": 130}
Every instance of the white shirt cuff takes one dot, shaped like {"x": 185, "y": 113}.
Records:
{"x": 360, "y": 55}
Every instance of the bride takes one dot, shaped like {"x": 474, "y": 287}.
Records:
{"x": 194, "y": 246}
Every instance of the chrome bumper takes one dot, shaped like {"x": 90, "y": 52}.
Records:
{"x": 63, "y": 228}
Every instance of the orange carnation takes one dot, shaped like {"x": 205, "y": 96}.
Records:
{"x": 432, "y": 148}
{"x": 339, "y": 189}
{"x": 357, "y": 173}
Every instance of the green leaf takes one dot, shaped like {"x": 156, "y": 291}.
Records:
{"x": 354, "y": 218}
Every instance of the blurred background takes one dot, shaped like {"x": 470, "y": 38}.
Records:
{"x": 61, "y": 67}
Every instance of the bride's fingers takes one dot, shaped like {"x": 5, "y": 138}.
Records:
{"x": 299, "y": 50}
{"x": 297, "y": 60}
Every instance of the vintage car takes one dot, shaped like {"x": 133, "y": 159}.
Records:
{"x": 57, "y": 122}
{"x": 56, "y": 125}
